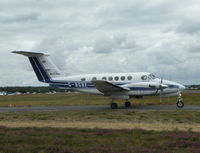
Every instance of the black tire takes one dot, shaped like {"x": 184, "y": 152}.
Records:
{"x": 180, "y": 104}
{"x": 113, "y": 106}
{"x": 127, "y": 104}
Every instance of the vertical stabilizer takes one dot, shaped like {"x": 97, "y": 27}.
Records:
{"x": 44, "y": 68}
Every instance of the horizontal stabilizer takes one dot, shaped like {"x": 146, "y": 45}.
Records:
{"x": 29, "y": 54}
{"x": 107, "y": 87}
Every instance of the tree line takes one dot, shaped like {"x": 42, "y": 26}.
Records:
{"x": 30, "y": 89}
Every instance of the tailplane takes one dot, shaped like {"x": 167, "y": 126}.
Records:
{"x": 44, "y": 68}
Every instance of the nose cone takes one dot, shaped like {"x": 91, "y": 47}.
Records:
{"x": 181, "y": 87}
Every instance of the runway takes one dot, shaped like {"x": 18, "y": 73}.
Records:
{"x": 105, "y": 107}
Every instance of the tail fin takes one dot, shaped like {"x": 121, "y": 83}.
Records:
{"x": 44, "y": 68}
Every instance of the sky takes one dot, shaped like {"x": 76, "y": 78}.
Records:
{"x": 96, "y": 36}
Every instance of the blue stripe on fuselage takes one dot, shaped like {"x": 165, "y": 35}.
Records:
{"x": 91, "y": 85}
{"x": 140, "y": 88}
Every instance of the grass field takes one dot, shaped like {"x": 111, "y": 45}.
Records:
{"x": 62, "y": 140}
{"x": 61, "y": 99}
{"x": 99, "y": 131}
{"x": 116, "y": 119}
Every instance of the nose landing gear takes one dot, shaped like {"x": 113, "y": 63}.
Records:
{"x": 180, "y": 103}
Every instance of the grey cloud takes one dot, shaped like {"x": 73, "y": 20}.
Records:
{"x": 93, "y": 36}
{"x": 108, "y": 44}
{"x": 137, "y": 12}
{"x": 189, "y": 27}
{"x": 19, "y": 17}
{"x": 194, "y": 49}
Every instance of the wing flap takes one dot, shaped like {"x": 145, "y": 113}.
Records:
{"x": 107, "y": 87}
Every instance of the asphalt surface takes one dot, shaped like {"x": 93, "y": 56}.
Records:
{"x": 191, "y": 91}
{"x": 61, "y": 108}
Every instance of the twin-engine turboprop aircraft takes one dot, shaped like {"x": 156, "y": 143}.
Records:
{"x": 115, "y": 85}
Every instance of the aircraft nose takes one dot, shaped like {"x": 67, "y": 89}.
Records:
{"x": 181, "y": 87}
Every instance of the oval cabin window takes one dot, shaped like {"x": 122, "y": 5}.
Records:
{"x": 104, "y": 78}
{"x": 82, "y": 79}
{"x": 110, "y": 78}
{"x": 116, "y": 78}
{"x": 144, "y": 77}
{"x": 94, "y": 78}
{"x": 129, "y": 77}
{"x": 122, "y": 78}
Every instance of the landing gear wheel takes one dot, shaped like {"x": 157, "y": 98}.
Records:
{"x": 113, "y": 105}
{"x": 127, "y": 104}
{"x": 180, "y": 104}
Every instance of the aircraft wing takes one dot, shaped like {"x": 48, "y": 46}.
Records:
{"x": 107, "y": 87}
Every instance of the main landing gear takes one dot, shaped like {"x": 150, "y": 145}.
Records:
{"x": 114, "y": 105}
{"x": 180, "y": 103}
{"x": 127, "y": 104}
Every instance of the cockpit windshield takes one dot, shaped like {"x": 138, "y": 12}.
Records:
{"x": 148, "y": 77}
{"x": 151, "y": 76}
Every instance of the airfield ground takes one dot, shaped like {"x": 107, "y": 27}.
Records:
{"x": 75, "y": 99}
{"x": 123, "y": 130}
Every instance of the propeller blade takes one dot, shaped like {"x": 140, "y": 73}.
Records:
{"x": 160, "y": 97}
{"x": 161, "y": 88}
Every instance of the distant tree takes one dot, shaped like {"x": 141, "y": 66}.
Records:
{"x": 30, "y": 89}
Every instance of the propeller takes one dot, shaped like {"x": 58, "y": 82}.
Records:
{"x": 161, "y": 89}
{"x": 159, "y": 86}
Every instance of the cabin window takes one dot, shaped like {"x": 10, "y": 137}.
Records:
{"x": 129, "y": 77}
{"x": 83, "y": 79}
{"x": 94, "y": 78}
{"x": 110, "y": 78}
{"x": 122, "y": 78}
{"x": 144, "y": 77}
{"x": 116, "y": 78}
{"x": 104, "y": 78}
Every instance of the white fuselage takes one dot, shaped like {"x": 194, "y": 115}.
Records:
{"x": 137, "y": 83}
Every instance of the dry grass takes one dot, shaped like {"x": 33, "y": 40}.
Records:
{"x": 115, "y": 119}
{"x": 105, "y": 125}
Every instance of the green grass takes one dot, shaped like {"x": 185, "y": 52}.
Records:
{"x": 65, "y": 140}
{"x": 129, "y": 116}
{"x": 67, "y": 99}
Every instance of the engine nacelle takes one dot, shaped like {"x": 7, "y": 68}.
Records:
{"x": 154, "y": 85}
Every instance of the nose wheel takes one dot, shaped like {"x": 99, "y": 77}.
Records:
{"x": 180, "y": 103}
